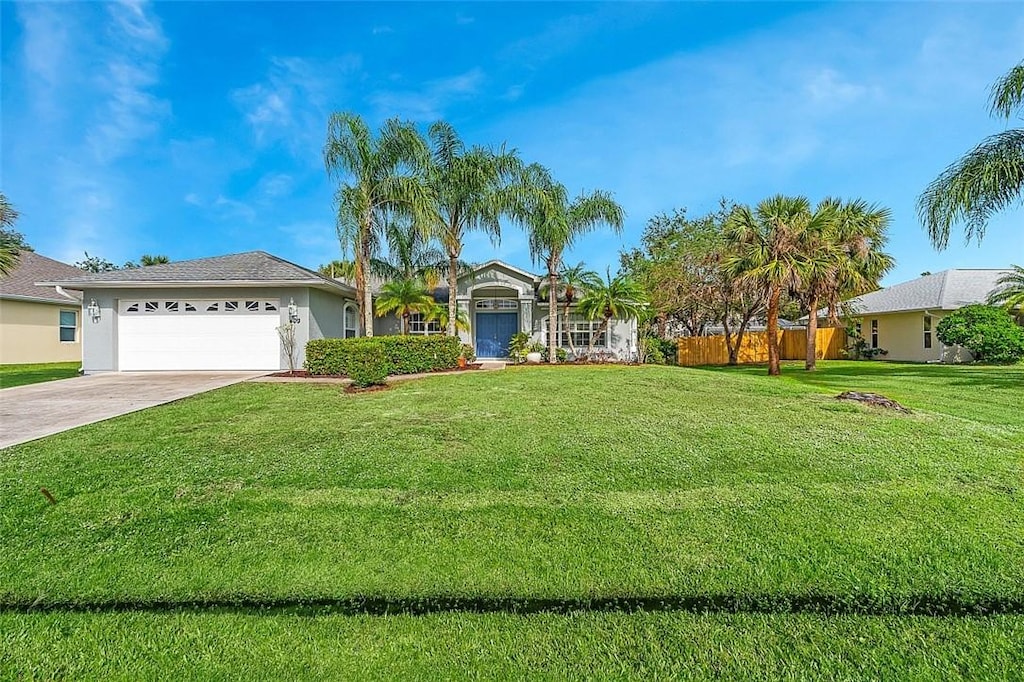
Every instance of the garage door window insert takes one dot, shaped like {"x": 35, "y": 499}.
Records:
{"x": 68, "y": 326}
{"x": 250, "y": 306}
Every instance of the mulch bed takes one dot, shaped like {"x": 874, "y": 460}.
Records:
{"x": 873, "y": 399}
{"x": 303, "y": 374}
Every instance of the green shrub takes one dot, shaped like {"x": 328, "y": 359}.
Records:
{"x": 654, "y": 354}
{"x": 467, "y": 351}
{"x": 987, "y": 331}
{"x": 395, "y": 354}
{"x": 561, "y": 355}
{"x": 669, "y": 350}
{"x": 366, "y": 365}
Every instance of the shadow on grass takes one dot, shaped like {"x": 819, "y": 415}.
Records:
{"x": 906, "y": 605}
{"x": 838, "y": 374}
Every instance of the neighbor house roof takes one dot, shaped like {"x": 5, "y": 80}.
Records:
{"x": 20, "y": 284}
{"x": 946, "y": 290}
{"x": 253, "y": 268}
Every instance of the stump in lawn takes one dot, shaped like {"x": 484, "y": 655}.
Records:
{"x": 873, "y": 399}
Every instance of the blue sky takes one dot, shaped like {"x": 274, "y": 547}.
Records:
{"x": 195, "y": 129}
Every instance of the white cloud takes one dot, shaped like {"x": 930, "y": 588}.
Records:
{"x": 292, "y": 104}
{"x": 429, "y": 100}
{"x": 135, "y": 45}
{"x": 381, "y": 30}
{"x": 193, "y": 199}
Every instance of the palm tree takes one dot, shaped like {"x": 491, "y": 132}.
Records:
{"x": 147, "y": 259}
{"x": 381, "y": 179}
{"x": 1010, "y": 294}
{"x": 987, "y": 179}
{"x": 9, "y": 247}
{"x": 440, "y": 313}
{"x": 620, "y": 298}
{"x": 339, "y": 269}
{"x": 573, "y": 280}
{"x": 769, "y": 248}
{"x": 404, "y": 297}
{"x": 554, "y": 222}
{"x": 842, "y": 258}
{"x": 472, "y": 189}
{"x": 411, "y": 254}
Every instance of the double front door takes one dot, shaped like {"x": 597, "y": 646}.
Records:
{"x": 494, "y": 332}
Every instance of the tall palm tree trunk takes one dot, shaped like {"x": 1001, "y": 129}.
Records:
{"x": 811, "y": 363}
{"x": 773, "y": 331}
{"x": 552, "y": 314}
{"x": 367, "y": 306}
{"x": 453, "y": 283}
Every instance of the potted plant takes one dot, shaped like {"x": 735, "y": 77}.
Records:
{"x": 535, "y": 353}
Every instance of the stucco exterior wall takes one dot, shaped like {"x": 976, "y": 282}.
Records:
{"x": 30, "y": 333}
{"x": 99, "y": 347}
{"x": 902, "y": 334}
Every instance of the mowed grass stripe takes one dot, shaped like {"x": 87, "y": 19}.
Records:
{"x": 131, "y": 646}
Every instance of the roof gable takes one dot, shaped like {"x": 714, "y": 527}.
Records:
{"x": 32, "y": 268}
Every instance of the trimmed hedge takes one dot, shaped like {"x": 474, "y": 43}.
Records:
{"x": 367, "y": 361}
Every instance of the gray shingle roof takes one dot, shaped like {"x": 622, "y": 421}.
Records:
{"x": 946, "y": 290}
{"x": 32, "y": 268}
{"x": 252, "y": 266}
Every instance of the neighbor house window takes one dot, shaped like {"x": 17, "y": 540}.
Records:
{"x": 927, "y": 331}
{"x": 68, "y": 325}
{"x": 579, "y": 330}
{"x": 351, "y": 322}
{"x": 418, "y": 324}
{"x": 874, "y": 333}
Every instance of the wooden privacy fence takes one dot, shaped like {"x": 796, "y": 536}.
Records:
{"x": 711, "y": 350}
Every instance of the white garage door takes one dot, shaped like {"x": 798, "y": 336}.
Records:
{"x": 211, "y": 335}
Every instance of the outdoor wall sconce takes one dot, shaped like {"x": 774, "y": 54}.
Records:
{"x": 93, "y": 310}
{"x": 293, "y": 312}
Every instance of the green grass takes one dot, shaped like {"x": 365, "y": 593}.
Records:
{"x": 694, "y": 489}
{"x": 20, "y": 375}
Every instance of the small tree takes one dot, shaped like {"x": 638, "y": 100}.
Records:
{"x": 288, "y": 343}
{"x": 403, "y": 298}
{"x": 988, "y": 332}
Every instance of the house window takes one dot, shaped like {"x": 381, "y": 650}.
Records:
{"x": 579, "y": 330}
{"x": 497, "y": 304}
{"x": 927, "y": 331}
{"x": 874, "y": 333}
{"x": 351, "y": 322}
{"x": 68, "y": 326}
{"x": 418, "y": 324}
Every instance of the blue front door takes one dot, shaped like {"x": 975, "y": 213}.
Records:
{"x": 493, "y": 333}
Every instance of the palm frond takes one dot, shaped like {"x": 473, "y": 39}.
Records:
{"x": 985, "y": 181}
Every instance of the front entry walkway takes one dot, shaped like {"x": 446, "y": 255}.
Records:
{"x": 38, "y": 410}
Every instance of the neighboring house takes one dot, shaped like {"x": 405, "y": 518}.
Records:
{"x": 39, "y": 323}
{"x": 500, "y": 300}
{"x": 219, "y": 313}
{"x": 901, "y": 319}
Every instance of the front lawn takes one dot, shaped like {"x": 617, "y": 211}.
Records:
{"x": 19, "y": 375}
{"x": 734, "y": 510}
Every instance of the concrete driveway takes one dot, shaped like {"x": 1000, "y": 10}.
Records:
{"x": 37, "y": 410}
